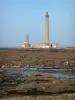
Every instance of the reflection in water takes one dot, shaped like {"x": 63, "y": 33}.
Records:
{"x": 35, "y": 71}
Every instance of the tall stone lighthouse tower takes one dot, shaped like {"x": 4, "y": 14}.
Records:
{"x": 27, "y": 39}
{"x": 46, "y": 28}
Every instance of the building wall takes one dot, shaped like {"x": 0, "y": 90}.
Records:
{"x": 26, "y": 46}
{"x": 49, "y": 45}
{"x": 55, "y": 45}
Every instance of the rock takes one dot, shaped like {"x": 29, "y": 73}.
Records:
{"x": 26, "y": 86}
{"x": 1, "y": 79}
{"x": 39, "y": 85}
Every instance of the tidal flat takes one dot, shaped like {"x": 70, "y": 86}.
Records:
{"x": 37, "y": 74}
{"x": 37, "y": 57}
{"x": 14, "y": 85}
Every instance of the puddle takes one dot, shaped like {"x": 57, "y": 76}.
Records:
{"x": 57, "y": 72}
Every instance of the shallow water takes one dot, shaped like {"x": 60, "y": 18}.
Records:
{"x": 35, "y": 71}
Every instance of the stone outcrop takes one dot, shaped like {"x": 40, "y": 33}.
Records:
{"x": 37, "y": 57}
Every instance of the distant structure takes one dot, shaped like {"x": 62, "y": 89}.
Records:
{"x": 26, "y": 43}
{"x": 47, "y": 28}
{"x": 47, "y": 44}
{"x": 27, "y": 39}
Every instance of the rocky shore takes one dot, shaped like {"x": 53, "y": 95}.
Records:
{"x": 37, "y": 57}
{"x": 12, "y": 84}
{"x": 65, "y": 96}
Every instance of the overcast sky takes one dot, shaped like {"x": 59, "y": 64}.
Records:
{"x": 20, "y": 17}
